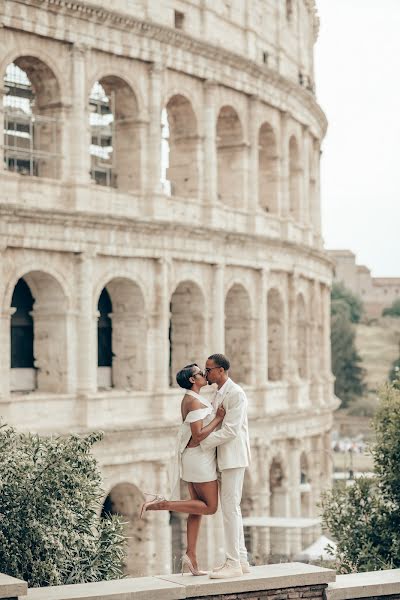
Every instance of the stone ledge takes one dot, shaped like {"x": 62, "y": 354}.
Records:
{"x": 364, "y": 585}
{"x": 138, "y": 588}
{"x": 266, "y": 577}
{"x": 10, "y": 587}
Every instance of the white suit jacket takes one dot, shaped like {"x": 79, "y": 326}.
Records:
{"x": 232, "y": 440}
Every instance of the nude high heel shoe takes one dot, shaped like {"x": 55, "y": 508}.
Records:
{"x": 152, "y": 499}
{"x": 186, "y": 562}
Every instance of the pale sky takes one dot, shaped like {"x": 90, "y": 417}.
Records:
{"x": 357, "y": 64}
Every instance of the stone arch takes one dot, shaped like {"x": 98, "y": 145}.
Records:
{"x": 267, "y": 169}
{"x": 276, "y": 316}
{"x": 49, "y": 334}
{"x": 187, "y": 327}
{"x": 128, "y": 336}
{"x": 125, "y": 500}
{"x": 180, "y": 136}
{"x": 115, "y": 141}
{"x": 230, "y": 158}
{"x": 294, "y": 178}
{"x": 302, "y": 335}
{"x": 32, "y": 124}
{"x": 238, "y": 332}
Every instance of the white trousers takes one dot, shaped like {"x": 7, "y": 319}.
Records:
{"x": 231, "y": 495}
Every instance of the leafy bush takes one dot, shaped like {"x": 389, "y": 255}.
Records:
{"x": 392, "y": 311}
{"x": 365, "y": 518}
{"x": 340, "y": 292}
{"x": 50, "y": 502}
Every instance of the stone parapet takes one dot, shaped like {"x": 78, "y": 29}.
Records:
{"x": 374, "y": 584}
{"x": 10, "y": 587}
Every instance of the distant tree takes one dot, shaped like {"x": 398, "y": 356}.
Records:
{"x": 393, "y": 310}
{"x": 364, "y": 519}
{"x": 50, "y": 501}
{"x": 346, "y": 362}
{"x": 394, "y": 374}
{"x": 340, "y": 292}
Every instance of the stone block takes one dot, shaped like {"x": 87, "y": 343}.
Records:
{"x": 10, "y": 587}
{"x": 364, "y": 585}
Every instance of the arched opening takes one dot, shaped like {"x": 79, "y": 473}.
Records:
{"x": 279, "y": 505}
{"x": 294, "y": 179}
{"x": 238, "y": 333}
{"x": 180, "y": 149}
{"x": 39, "y": 355}
{"x": 230, "y": 158}
{"x": 187, "y": 327}
{"x": 23, "y": 375}
{"x": 125, "y": 500}
{"x": 115, "y": 141}
{"x": 121, "y": 336}
{"x": 275, "y": 335}
{"x": 32, "y": 127}
{"x": 302, "y": 331}
{"x": 267, "y": 170}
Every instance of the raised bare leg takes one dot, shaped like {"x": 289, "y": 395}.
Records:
{"x": 206, "y": 504}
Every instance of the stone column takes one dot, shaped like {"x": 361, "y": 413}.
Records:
{"x": 283, "y": 190}
{"x": 252, "y": 187}
{"x": 160, "y": 536}
{"x": 316, "y": 205}
{"x": 293, "y": 375}
{"x": 210, "y": 144}
{"x": 2, "y": 138}
{"x": 262, "y": 501}
{"x": 305, "y": 208}
{"x": 261, "y": 358}
{"x": 218, "y": 310}
{"x": 158, "y": 347}
{"x": 140, "y": 129}
{"x": 294, "y": 493}
{"x": 5, "y": 363}
{"x": 77, "y": 138}
{"x": 153, "y": 176}
{"x": 86, "y": 327}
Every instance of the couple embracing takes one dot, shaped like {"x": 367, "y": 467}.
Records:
{"x": 213, "y": 439}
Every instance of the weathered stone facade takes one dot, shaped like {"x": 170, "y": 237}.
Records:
{"x": 221, "y": 253}
{"x": 376, "y": 293}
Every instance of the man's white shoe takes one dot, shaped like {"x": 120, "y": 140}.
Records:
{"x": 227, "y": 572}
{"x": 245, "y": 568}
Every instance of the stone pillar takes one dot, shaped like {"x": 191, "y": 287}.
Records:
{"x": 283, "y": 190}
{"x": 140, "y": 129}
{"x": 158, "y": 347}
{"x": 294, "y": 494}
{"x": 153, "y": 176}
{"x": 218, "y": 310}
{"x": 252, "y": 187}
{"x": 5, "y": 363}
{"x": 305, "y": 207}
{"x": 261, "y": 331}
{"x": 210, "y": 144}
{"x": 2, "y": 138}
{"x": 78, "y": 132}
{"x": 262, "y": 501}
{"x": 292, "y": 348}
{"x": 160, "y": 534}
{"x": 86, "y": 327}
{"x": 316, "y": 205}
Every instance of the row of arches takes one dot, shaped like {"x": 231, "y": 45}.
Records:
{"x": 41, "y": 329}
{"x": 33, "y": 134}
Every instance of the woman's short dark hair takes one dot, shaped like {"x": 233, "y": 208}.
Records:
{"x": 221, "y": 361}
{"x": 183, "y": 376}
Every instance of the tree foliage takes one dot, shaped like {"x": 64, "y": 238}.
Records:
{"x": 393, "y": 310}
{"x": 346, "y": 362}
{"x": 365, "y": 518}
{"x": 340, "y": 292}
{"x": 50, "y": 502}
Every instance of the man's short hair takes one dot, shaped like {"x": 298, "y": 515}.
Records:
{"x": 183, "y": 376}
{"x": 221, "y": 361}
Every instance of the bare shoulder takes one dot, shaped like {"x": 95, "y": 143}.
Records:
{"x": 191, "y": 403}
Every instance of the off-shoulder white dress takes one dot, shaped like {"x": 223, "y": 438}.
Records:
{"x": 193, "y": 465}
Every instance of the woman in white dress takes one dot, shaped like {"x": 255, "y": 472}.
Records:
{"x": 194, "y": 465}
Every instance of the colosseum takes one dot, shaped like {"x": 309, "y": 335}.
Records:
{"x": 160, "y": 202}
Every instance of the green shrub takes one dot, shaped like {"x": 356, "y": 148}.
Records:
{"x": 365, "y": 518}
{"x": 340, "y": 292}
{"x": 50, "y": 502}
{"x": 393, "y": 310}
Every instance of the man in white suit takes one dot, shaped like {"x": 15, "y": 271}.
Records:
{"x": 233, "y": 456}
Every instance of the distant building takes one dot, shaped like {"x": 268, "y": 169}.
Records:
{"x": 376, "y": 292}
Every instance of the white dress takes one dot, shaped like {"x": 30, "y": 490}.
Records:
{"x": 193, "y": 465}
